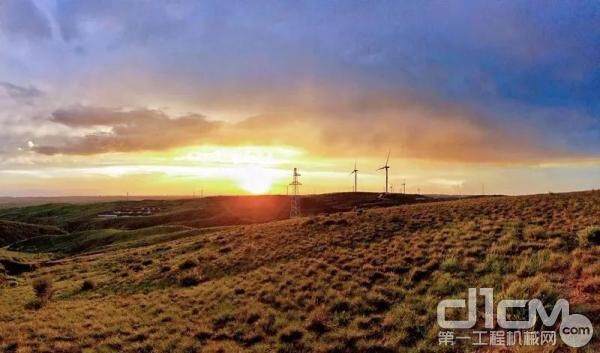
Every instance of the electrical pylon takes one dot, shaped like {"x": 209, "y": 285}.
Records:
{"x": 295, "y": 208}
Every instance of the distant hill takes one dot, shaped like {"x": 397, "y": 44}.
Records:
{"x": 199, "y": 213}
{"x": 10, "y": 202}
{"x": 11, "y": 232}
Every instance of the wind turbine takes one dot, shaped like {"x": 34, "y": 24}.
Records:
{"x": 386, "y": 167}
{"x": 355, "y": 172}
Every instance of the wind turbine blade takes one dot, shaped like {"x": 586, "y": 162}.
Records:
{"x": 388, "y": 157}
{"x": 381, "y": 168}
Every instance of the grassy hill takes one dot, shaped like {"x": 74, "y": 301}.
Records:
{"x": 357, "y": 281}
{"x": 202, "y": 212}
{"x": 103, "y": 239}
{"x": 11, "y": 232}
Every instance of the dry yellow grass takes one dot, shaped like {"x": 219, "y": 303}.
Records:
{"x": 365, "y": 281}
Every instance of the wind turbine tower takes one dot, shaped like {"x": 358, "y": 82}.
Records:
{"x": 295, "y": 209}
{"x": 355, "y": 172}
{"x": 387, "y": 168}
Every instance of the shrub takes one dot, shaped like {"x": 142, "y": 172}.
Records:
{"x": 88, "y": 284}
{"x": 187, "y": 264}
{"x": 390, "y": 322}
{"x": 310, "y": 221}
{"x": 592, "y": 285}
{"x": 251, "y": 317}
{"x": 290, "y": 335}
{"x": 189, "y": 281}
{"x": 535, "y": 233}
{"x": 203, "y": 333}
{"x": 589, "y": 236}
{"x": 318, "y": 321}
{"x": 268, "y": 324}
{"x": 35, "y": 304}
{"x": 417, "y": 275}
{"x": 340, "y": 305}
{"x": 535, "y": 263}
{"x": 533, "y": 287}
{"x": 42, "y": 288}
{"x": 446, "y": 284}
{"x": 377, "y": 303}
{"x": 11, "y": 347}
{"x": 450, "y": 265}
{"x": 222, "y": 319}
{"x": 497, "y": 264}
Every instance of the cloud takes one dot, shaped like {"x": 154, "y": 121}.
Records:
{"x": 78, "y": 19}
{"x": 129, "y": 131}
{"x": 466, "y": 81}
{"x": 20, "y": 92}
{"x": 411, "y": 131}
{"x": 23, "y": 19}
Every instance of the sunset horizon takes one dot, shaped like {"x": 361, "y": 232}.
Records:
{"x": 299, "y": 176}
{"x": 97, "y": 100}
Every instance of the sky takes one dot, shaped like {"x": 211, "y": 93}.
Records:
{"x": 226, "y": 97}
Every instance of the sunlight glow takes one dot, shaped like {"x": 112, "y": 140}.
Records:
{"x": 249, "y": 155}
{"x": 255, "y": 180}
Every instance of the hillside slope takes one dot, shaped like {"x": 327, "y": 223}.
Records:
{"x": 103, "y": 239}
{"x": 11, "y": 232}
{"x": 361, "y": 281}
{"x": 202, "y": 212}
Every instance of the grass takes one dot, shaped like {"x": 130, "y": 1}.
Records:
{"x": 199, "y": 213}
{"x": 94, "y": 240}
{"x": 589, "y": 236}
{"x": 360, "y": 281}
{"x": 11, "y": 232}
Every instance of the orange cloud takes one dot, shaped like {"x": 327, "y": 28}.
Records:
{"x": 410, "y": 130}
{"x": 130, "y": 131}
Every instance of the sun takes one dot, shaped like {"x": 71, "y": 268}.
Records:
{"x": 255, "y": 180}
